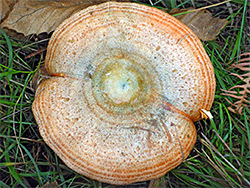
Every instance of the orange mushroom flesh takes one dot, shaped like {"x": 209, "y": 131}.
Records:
{"x": 128, "y": 82}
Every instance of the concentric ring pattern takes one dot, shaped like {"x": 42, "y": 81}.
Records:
{"x": 128, "y": 82}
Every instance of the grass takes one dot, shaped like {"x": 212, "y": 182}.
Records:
{"x": 221, "y": 157}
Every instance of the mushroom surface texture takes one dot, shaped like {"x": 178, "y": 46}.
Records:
{"x": 127, "y": 82}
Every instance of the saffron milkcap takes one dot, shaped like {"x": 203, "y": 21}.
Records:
{"x": 127, "y": 82}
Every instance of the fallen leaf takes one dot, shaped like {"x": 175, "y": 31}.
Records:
{"x": 201, "y": 22}
{"x": 39, "y": 77}
{"x": 240, "y": 92}
{"x": 38, "y": 16}
{"x": 50, "y": 185}
{"x": 158, "y": 183}
{"x": 5, "y": 8}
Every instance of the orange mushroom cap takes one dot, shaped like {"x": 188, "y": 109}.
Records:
{"x": 128, "y": 82}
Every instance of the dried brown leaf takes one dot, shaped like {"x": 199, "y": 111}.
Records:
{"x": 241, "y": 86}
{"x": 50, "y": 185}
{"x": 38, "y": 16}
{"x": 158, "y": 183}
{"x": 5, "y": 8}
{"x": 242, "y": 93}
{"x": 39, "y": 76}
{"x": 245, "y": 55}
{"x": 231, "y": 95}
{"x": 232, "y": 110}
{"x": 201, "y": 22}
{"x": 243, "y": 66}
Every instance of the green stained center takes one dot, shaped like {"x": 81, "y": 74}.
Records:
{"x": 120, "y": 85}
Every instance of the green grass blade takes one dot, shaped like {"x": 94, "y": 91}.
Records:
{"x": 38, "y": 174}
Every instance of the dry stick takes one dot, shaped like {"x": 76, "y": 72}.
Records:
{"x": 200, "y": 174}
{"x": 227, "y": 147}
{"x": 229, "y": 150}
{"x": 17, "y": 83}
{"x": 194, "y": 10}
{"x": 238, "y": 172}
{"x": 223, "y": 172}
{"x": 212, "y": 163}
{"x": 28, "y": 45}
{"x": 17, "y": 62}
{"x": 49, "y": 161}
{"x": 214, "y": 5}
{"x": 35, "y": 53}
{"x": 13, "y": 113}
{"x": 21, "y": 138}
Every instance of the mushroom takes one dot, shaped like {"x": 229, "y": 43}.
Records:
{"x": 127, "y": 82}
